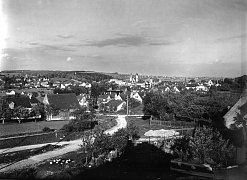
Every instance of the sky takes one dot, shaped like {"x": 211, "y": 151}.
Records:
{"x": 156, "y": 37}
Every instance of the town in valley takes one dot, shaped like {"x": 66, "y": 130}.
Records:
{"x": 123, "y": 89}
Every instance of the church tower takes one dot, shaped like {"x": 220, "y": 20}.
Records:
{"x": 137, "y": 77}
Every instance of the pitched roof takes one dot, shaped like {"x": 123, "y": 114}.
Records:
{"x": 40, "y": 99}
{"x": 123, "y": 96}
{"x": 33, "y": 100}
{"x": 104, "y": 96}
{"x": 191, "y": 85}
{"x": 63, "y": 101}
{"x": 232, "y": 113}
{"x": 113, "y": 94}
{"x": 114, "y": 103}
{"x": 23, "y": 101}
{"x": 80, "y": 97}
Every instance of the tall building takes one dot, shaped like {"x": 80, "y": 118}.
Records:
{"x": 131, "y": 78}
{"x": 134, "y": 78}
{"x": 137, "y": 77}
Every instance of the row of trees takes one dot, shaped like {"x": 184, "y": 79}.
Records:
{"x": 20, "y": 113}
{"x": 188, "y": 106}
{"x": 74, "y": 89}
{"x": 205, "y": 146}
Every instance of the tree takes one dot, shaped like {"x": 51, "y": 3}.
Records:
{"x": 240, "y": 124}
{"x": 156, "y": 104}
{"x": 6, "y": 114}
{"x": 79, "y": 113}
{"x": 205, "y": 146}
{"x": 132, "y": 131}
{"x": 181, "y": 148}
{"x": 209, "y": 147}
{"x": 95, "y": 92}
{"x": 133, "y": 103}
{"x": 21, "y": 113}
{"x": 102, "y": 144}
{"x": 51, "y": 110}
{"x": 83, "y": 120}
{"x": 119, "y": 139}
{"x": 38, "y": 111}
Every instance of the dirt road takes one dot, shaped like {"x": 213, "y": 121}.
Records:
{"x": 70, "y": 146}
{"x": 121, "y": 123}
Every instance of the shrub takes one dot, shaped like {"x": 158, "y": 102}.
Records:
{"x": 182, "y": 149}
{"x": 78, "y": 125}
{"x": 47, "y": 129}
{"x": 206, "y": 146}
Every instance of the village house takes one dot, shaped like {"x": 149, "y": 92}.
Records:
{"x": 136, "y": 96}
{"x": 104, "y": 98}
{"x": 23, "y": 101}
{"x": 10, "y": 92}
{"x": 191, "y": 86}
{"x": 62, "y": 106}
{"x": 82, "y": 99}
{"x": 201, "y": 87}
{"x": 117, "y": 81}
{"x": 115, "y": 96}
{"x": 167, "y": 89}
{"x": 175, "y": 89}
{"x": 44, "y": 84}
{"x": 210, "y": 83}
{"x": 115, "y": 105}
{"x": 230, "y": 119}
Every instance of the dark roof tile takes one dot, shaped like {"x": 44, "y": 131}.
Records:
{"x": 63, "y": 101}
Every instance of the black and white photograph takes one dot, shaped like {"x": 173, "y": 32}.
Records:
{"x": 123, "y": 89}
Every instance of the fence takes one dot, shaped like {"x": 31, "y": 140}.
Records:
{"x": 173, "y": 124}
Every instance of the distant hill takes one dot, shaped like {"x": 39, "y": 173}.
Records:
{"x": 78, "y": 75}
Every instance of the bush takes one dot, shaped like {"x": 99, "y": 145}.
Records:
{"x": 206, "y": 146}
{"x": 182, "y": 149}
{"x": 47, "y": 129}
{"x": 77, "y": 125}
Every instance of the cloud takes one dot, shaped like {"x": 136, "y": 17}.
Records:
{"x": 65, "y": 36}
{"x": 45, "y": 47}
{"x": 126, "y": 40}
{"x": 164, "y": 43}
{"x": 22, "y": 58}
{"x": 230, "y": 38}
{"x": 33, "y": 43}
{"x": 69, "y": 59}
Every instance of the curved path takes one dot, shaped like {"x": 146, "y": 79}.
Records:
{"x": 121, "y": 123}
{"x": 70, "y": 146}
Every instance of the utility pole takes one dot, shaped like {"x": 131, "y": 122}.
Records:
{"x": 127, "y": 104}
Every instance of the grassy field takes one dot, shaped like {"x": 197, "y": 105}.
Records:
{"x": 144, "y": 126}
{"x": 29, "y": 127}
{"x": 24, "y": 154}
{"x": 137, "y": 110}
{"x": 104, "y": 123}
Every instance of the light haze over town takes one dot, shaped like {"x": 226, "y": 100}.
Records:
{"x": 170, "y": 38}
